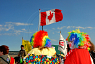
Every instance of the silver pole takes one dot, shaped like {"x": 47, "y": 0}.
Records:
{"x": 39, "y": 19}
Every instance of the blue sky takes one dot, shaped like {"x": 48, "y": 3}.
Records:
{"x": 19, "y": 18}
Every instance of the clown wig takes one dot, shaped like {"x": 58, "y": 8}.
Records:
{"x": 40, "y": 39}
{"x": 79, "y": 38}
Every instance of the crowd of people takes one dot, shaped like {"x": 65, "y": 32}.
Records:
{"x": 80, "y": 57}
{"x": 6, "y": 59}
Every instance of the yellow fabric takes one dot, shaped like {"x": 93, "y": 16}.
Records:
{"x": 27, "y": 45}
{"x": 62, "y": 55}
{"x": 45, "y": 51}
{"x": 50, "y": 51}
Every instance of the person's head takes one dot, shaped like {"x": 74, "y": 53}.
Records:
{"x": 4, "y": 50}
{"x": 79, "y": 39}
{"x": 22, "y": 47}
{"x": 92, "y": 46}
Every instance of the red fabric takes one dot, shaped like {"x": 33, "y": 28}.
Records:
{"x": 58, "y": 15}
{"x": 43, "y": 18}
{"x": 12, "y": 60}
{"x": 61, "y": 43}
{"x": 78, "y": 56}
{"x": 50, "y": 16}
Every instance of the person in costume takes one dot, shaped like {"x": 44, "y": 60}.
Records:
{"x": 42, "y": 52}
{"x": 41, "y": 44}
{"x": 4, "y": 57}
{"x": 79, "y": 43}
{"x": 22, "y": 52}
{"x": 62, "y": 57}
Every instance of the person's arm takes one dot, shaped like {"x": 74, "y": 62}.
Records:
{"x": 25, "y": 53}
{"x": 60, "y": 60}
{"x": 19, "y": 53}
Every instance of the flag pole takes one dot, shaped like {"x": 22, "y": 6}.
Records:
{"x": 60, "y": 51}
{"x": 39, "y": 19}
{"x": 42, "y": 28}
{"x": 22, "y": 39}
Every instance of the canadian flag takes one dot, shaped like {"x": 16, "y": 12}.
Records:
{"x": 62, "y": 45}
{"x": 50, "y": 17}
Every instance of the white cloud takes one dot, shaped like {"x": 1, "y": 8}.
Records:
{"x": 89, "y": 27}
{"x": 18, "y": 24}
{"x": 73, "y": 26}
{"x": 1, "y": 28}
{"x": 0, "y": 25}
{"x": 45, "y": 29}
{"x": 53, "y": 32}
{"x": 23, "y": 29}
{"x": 58, "y": 32}
{"x": 6, "y": 27}
{"x": 53, "y": 40}
{"x": 68, "y": 27}
{"x": 53, "y": 28}
{"x": 17, "y": 32}
{"x": 7, "y": 34}
{"x": 10, "y": 26}
{"x": 80, "y": 27}
{"x": 28, "y": 32}
{"x": 9, "y": 22}
{"x": 61, "y": 27}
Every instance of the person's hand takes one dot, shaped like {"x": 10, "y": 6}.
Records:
{"x": 18, "y": 55}
{"x": 16, "y": 63}
{"x": 60, "y": 60}
{"x": 24, "y": 58}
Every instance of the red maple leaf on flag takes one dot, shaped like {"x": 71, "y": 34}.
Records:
{"x": 50, "y": 16}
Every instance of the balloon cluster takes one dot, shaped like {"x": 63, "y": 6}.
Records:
{"x": 41, "y": 59}
{"x": 39, "y": 39}
{"x": 79, "y": 38}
